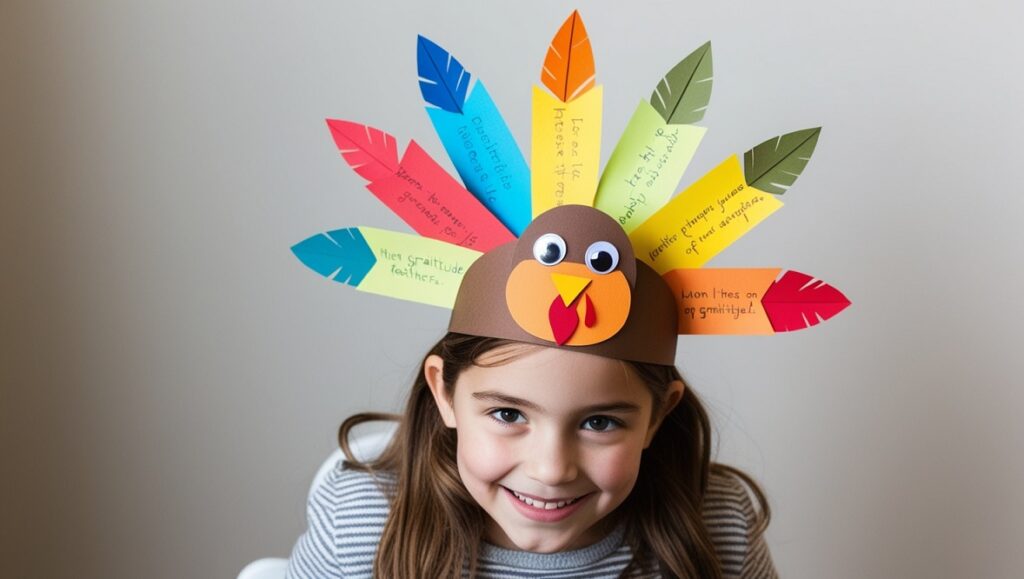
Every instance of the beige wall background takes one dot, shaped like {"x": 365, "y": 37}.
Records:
{"x": 172, "y": 376}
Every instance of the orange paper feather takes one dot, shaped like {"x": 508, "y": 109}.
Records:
{"x": 569, "y": 64}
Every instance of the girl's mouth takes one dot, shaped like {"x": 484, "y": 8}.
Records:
{"x": 547, "y": 511}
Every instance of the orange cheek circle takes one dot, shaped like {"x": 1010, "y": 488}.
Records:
{"x": 530, "y": 291}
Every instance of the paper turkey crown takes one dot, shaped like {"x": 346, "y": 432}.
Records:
{"x": 553, "y": 255}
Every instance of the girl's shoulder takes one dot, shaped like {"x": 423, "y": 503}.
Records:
{"x": 346, "y": 513}
{"x": 728, "y": 497}
{"x": 735, "y": 525}
{"x": 349, "y": 483}
{"x": 354, "y": 496}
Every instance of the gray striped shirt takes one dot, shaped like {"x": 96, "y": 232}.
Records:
{"x": 347, "y": 511}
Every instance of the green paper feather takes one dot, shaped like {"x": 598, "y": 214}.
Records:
{"x": 774, "y": 165}
{"x": 683, "y": 95}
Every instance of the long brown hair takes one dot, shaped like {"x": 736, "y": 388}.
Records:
{"x": 434, "y": 526}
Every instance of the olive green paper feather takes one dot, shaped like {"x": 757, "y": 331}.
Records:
{"x": 683, "y": 95}
{"x": 774, "y": 165}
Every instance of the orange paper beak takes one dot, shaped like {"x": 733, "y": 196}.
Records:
{"x": 569, "y": 286}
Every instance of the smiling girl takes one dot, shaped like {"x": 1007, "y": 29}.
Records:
{"x": 518, "y": 460}
{"x": 549, "y": 433}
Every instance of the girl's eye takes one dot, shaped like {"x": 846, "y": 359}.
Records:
{"x": 507, "y": 416}
{"x": 601, "y": 423}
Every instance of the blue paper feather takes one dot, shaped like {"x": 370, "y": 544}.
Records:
{"x": 443, "y": 81}
{"x": 342, "y": 255}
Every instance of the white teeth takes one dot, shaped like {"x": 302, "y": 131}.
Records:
{"x": 541, "y": 504}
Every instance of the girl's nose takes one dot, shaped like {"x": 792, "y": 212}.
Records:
{"x": 551, "y": 461}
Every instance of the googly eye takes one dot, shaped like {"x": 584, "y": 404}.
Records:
{"x": 549, "y": 249}
{"x": 602, "y": 257}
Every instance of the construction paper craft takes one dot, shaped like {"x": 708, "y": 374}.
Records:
{"x": 475, "y": 135}
{"x": 751, "y": 301}
{"x": 702, "y": 220}
{"x": 566, "y": 138}
{"x": 578, "y": 276}
{"x": 417, "y": 189}
{"x": 653, "y": 152}
{"x": 397, "y": 265}
{"x": 645, "y": 166}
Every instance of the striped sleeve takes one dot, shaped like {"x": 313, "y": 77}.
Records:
{"x": 315, "y": 553}
{"x": 346, "y": 514}
{"x": 731, "y": 520}
{"x": 758, "y": 562}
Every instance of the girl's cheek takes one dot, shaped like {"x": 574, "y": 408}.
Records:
{"x": 485, "y": 455}
{"x": 615, "y": 469}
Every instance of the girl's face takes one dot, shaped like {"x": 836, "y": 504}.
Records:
{"x": 563, "y": 430}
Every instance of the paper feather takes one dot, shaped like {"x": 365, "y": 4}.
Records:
{"x": 796, "y": 301}
{"x": 417, "y": 189}
{"x": 774, "y": 165}
{"x": 443, "y": 80}
{"x": 341, "y": 255}
{"x": 569, "y": 63}
{"x": 682, "y": 97}
{"x": 371, "y": 153}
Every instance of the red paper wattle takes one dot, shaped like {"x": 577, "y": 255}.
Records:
{"x": 563, "y": 319}
{"x": 590, "y": 318}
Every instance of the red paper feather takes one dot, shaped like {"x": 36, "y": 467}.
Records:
{"x": 370, "y": 152}
{"x": 417, "y": 189}
{"x": 796, "y": 301}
